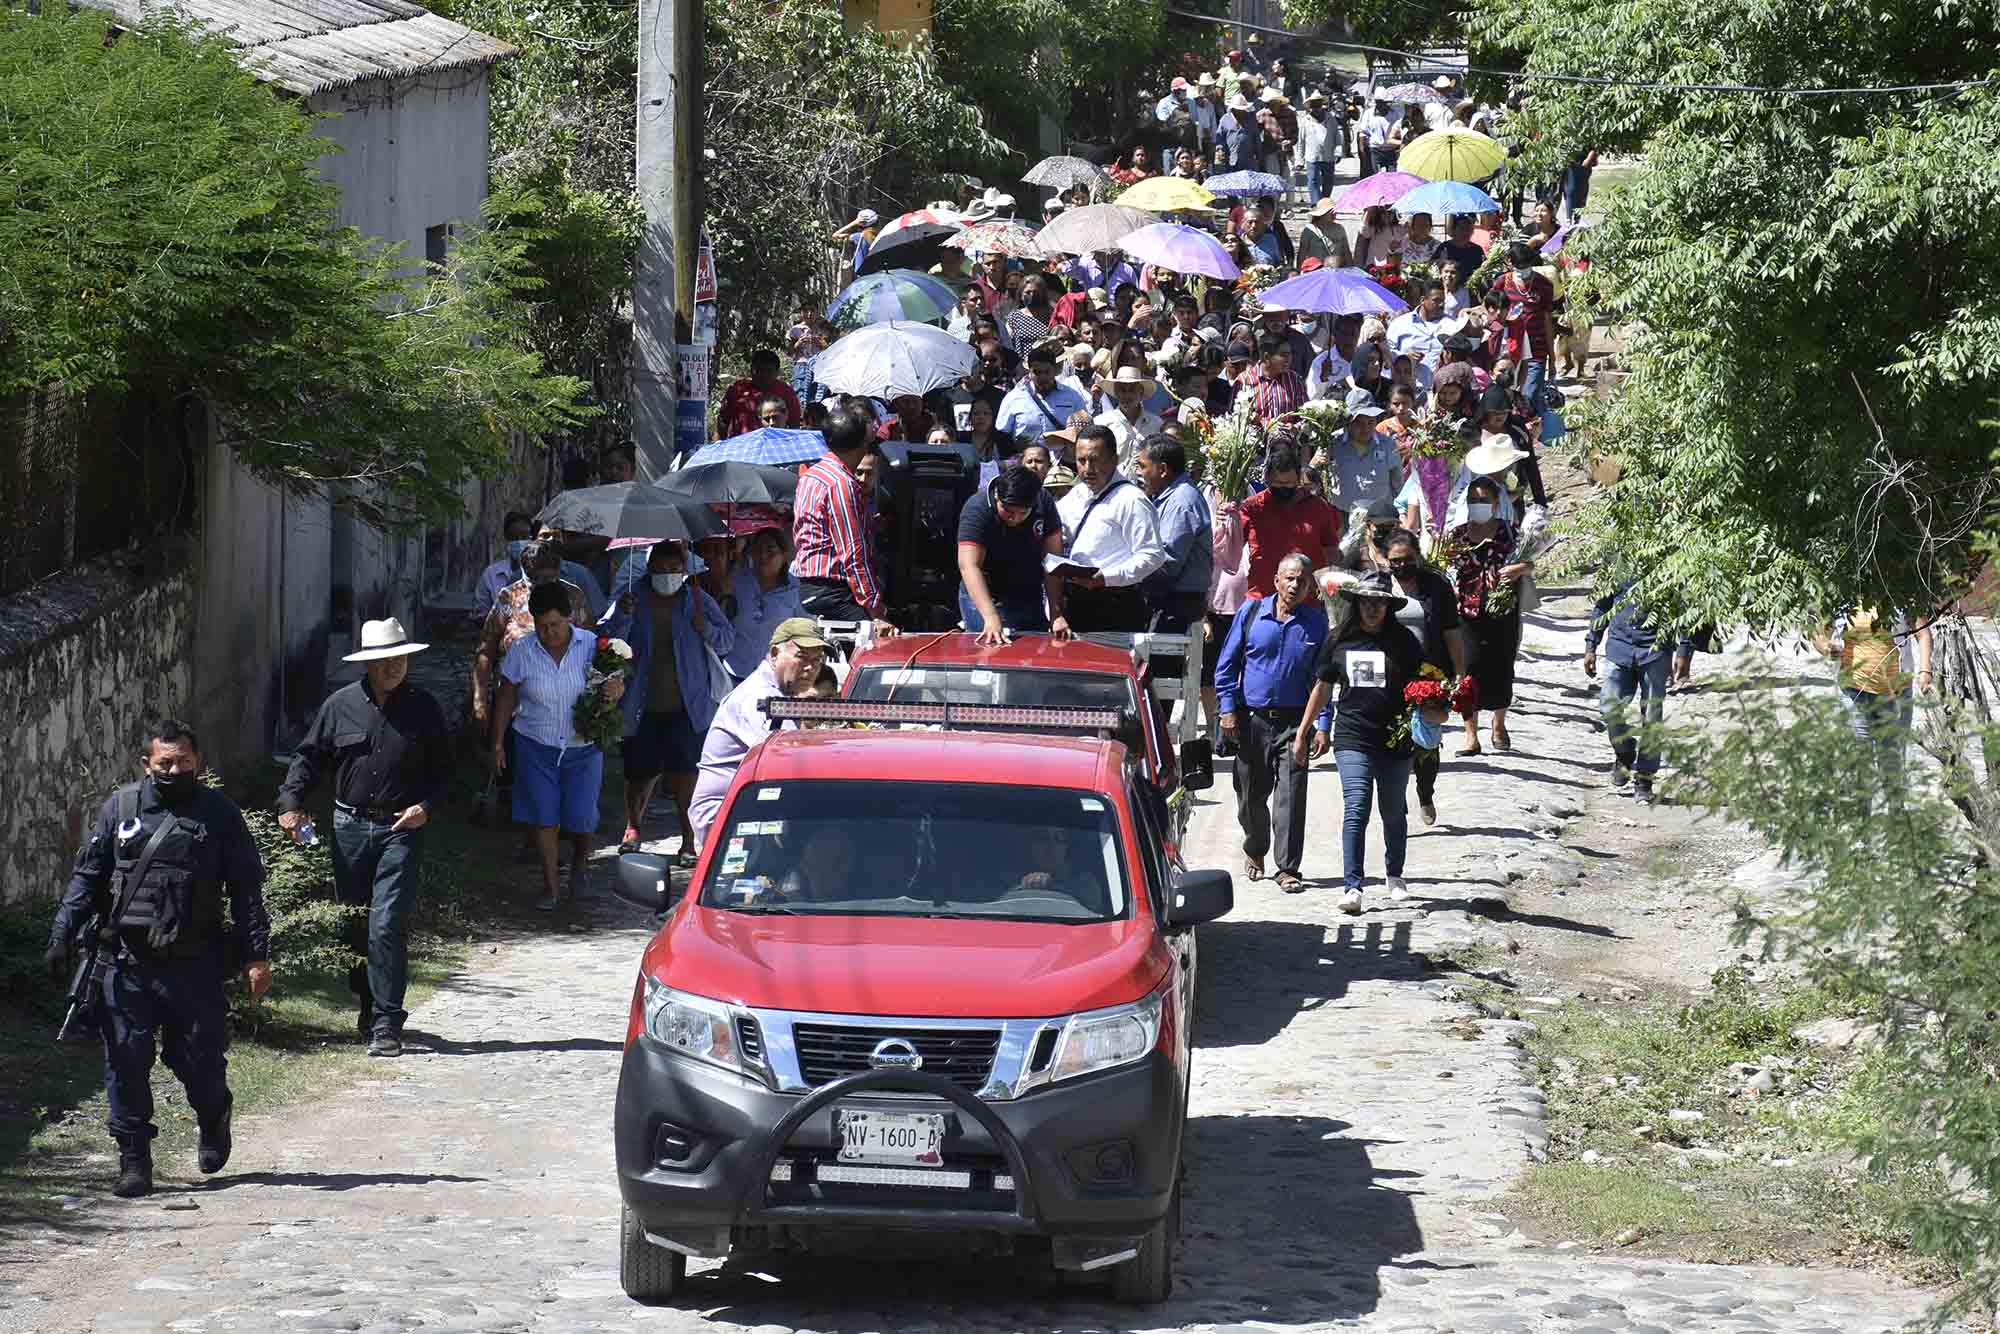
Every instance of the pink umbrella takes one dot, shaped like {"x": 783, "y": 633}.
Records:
{"x": 1377, "y": 191}
{"x": 1182, "y": 249}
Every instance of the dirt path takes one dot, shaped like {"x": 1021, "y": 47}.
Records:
{"x": 1350, "y": 1131}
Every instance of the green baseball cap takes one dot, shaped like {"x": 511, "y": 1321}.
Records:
{"x": 801, "y": 630}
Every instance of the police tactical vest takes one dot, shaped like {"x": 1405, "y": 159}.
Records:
{"x": 178, "y": 905}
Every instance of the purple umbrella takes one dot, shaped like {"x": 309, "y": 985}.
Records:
{"x": 1377, "y": 191}
{"x": 1182, "y": 249}
{"x": 1555, "y": 243}
{"x": 1332, "y": 292}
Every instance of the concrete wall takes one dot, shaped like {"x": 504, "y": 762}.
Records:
{"x": 88, "y": 659}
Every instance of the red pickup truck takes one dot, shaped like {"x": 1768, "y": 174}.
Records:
{"x": 920, "y": 981}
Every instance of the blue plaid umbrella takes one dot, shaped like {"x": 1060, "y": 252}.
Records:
{"x": 898, "y": 294}
{"x": 766, "y": 444}
{"x": 1440, "y": 198}
{"x": 1245, "y": 184}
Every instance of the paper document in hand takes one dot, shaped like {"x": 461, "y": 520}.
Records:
{"x": 1067, "y": 568}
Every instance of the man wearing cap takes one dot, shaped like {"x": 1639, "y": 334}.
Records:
{"x": 1128, "y": 420}
{"x": 384, "y": 741}
{"x": 1366, "y": 466}
{"x": 798, "y": 651}
{"x": 860, "y": 234}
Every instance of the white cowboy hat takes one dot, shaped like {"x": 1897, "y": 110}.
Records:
{"x": 1204, "y": 80}
{"x": 1492, "y": 458}
{"x": 1441, "y": 82}
{"x": 1130, "y": 375}
{"x": 383, "y": 639}
{"x": 996, "y": 198}
{"x": 1238, "y": 102}
{"x": 1324, "y": 208}
{"x": 1272, "y": 97}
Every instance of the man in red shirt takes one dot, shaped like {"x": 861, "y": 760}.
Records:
{"x": 1283, "y": 518}
{"x": 1530, "y": 326}
{"x": 837, "y": 579}
{"x": 739, "y": 405}
{"x": 1275, "y": 387}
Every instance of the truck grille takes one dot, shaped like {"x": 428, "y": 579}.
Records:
{"x": 750, "y": 1039}
{"x": 962, "y": 1055}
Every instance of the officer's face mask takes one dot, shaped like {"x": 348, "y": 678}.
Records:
{"x": 173, "y": 786}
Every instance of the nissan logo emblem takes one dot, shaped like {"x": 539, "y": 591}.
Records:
{"x": 896, "y": 1054}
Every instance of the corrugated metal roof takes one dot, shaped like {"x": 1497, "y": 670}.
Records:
{"x": 310, "y": 46}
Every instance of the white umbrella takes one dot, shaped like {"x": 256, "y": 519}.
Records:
{"x": 892, "y": 358}
{"x": 1093, "y": 227}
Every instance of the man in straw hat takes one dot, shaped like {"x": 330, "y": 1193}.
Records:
{"x": 1239, "y": 137}
{"x": 1129, "y": 421}
{"x": 385, "y": 743}
{"x": 1319, "y": 149}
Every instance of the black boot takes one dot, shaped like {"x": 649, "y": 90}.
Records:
{"x": 357, "y": 982}
{"x": 135, "y": 1169}
{"x": 387, "y": 1040}
{"x": 216, "y": 1141}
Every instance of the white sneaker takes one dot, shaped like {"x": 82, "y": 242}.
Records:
{"x": 1399, "y": 892}
{"x": 1350, "y": 903}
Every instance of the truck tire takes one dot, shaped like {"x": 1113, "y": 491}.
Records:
{"x": 1148, "y": 1277}
{"x": 648, "y": 1273}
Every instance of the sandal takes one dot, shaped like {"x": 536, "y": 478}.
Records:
{"x": 1291, "y": 882}
{"x": 629, "y": 843}
{"x": 685, "y": 859}
{"x": 1253, "y": 869}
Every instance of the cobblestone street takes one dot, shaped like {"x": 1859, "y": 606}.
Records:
{"x": 1351, "y": 1127}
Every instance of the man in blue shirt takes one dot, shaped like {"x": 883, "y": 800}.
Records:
{"x": 1263, "y": 677}
{"x": 1038, "y": 404}
{"x": 1239, "y": 139}
{"x": 1639, "y": 655}
{"x": 1177, "y": 592}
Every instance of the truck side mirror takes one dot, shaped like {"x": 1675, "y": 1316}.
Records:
{"x": 1200, "y": 896}
{"x": 643, "y": 880}
{"x": 1197, "y": 765}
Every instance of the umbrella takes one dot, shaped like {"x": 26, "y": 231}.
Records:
{"x": 1454, "y": 154}
{"x": 1182, "y": 249}
{"x": 727, "y": 482}
{"x": 630, "y": 509}
{"x": 899, "y": 294}
{"x": 1384, "y": 187}
{"x": 1555, "y": 243}
{"x": 1063, "y": 173}
{"x": 1243, "y": 184}
{"x": 1411, "y": 92}
{"x": 1081, "y": 231}
{"x": 1443, "y": 197}
{"x": 916, "y": 220}
{"x": 1331, "y": 292}
{"x": 914, "y": 248}
{"x": 771, "y": 445}
{"x": 888, "y": 360}
{"x": 1166, "y": 194}
{"x": 1000, "y": 236}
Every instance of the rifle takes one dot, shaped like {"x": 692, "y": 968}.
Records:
{"x": 83, "y": 987}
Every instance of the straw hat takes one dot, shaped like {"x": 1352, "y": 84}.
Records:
{"x": 1442, "y": 82}
{"x": 1238, "y": 102}
{"x": 1130, "y": 375}
{"x": 1204, "y": 80}
{"x": 1492, "y": 458}
{"x": 1325, "y": 208}
{"x": 383, "y": 639}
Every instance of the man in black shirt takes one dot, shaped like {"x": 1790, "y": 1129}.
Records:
{"x": 1460, "y": 248}
{"x": 385, "y": 742}
{"x": 1004, "y": 532}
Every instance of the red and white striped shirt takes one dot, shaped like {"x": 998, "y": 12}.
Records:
{"x": 830, "y": 531}
{"x": 1273, "y": 395}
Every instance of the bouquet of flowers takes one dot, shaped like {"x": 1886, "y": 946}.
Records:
{"x": 1507, "y": 595}
{"x": 1432, "y": 445}
{"x": 1430, "y": 694}
{"x": 1232, "y": 449}
{"x": 1388, "y": 272}
{"x": 597, "y": 717}
{"x": 1258, "y": 277}
{"x": 1465, "y": 696}
{"x": 1317, "y": 424}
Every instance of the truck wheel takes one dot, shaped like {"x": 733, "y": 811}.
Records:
{"x": 1148, "y": 1277}
{"x": 648, "y": 1273}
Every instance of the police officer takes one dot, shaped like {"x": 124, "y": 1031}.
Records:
{"x": 384, "y": 741}
{"x": 157, "y": 865}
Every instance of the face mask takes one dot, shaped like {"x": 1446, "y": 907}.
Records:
{"x": 1479, "y": 512}
{"x": 1524, "y": 273}
{"x": 1283, "y": 494}
{"x": 515, "y": 548}
{"x": 174, "y": 789}
{"x": 666, "y": 585}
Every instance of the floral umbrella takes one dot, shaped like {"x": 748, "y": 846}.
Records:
{"x": 1000, "y": 236}
{"x": 1411, "y": 92}
{"x": 1065, "y": 173}
{"x": 1245, "y": 184}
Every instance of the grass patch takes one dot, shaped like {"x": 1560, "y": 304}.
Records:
{"x": 1756, "y": 1177}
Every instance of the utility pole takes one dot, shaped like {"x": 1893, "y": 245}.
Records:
{"x": 670, "y": 195}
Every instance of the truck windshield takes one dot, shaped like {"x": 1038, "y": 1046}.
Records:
{"x": 915, "y": 849}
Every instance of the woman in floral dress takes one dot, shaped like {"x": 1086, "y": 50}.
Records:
{"x": 1483, "y": 558}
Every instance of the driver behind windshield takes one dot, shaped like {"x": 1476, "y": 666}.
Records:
{"x": 825, "y": 868}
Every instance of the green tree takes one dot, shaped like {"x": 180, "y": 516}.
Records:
{"x": 164, "y": 227}
{"x": 1805, "y": 426}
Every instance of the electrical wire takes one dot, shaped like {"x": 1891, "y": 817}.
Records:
{"x": 1591, "y": 80}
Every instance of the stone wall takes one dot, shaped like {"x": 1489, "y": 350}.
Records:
{"x": 87, "y": 659}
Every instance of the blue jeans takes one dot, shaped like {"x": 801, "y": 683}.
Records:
{"x": 174, "y": 1006}
{"x": 1621, "y": 683}
{"x": 1881, "y": 724}
{"x": 1387, "y": 772}
{"x": 1533, "y": 378}
{"x": 376, "y": 868}
{"x": 1020, "y": 615}
{"x": 1575, "y": 191}
{"x": 1319, "y": 180}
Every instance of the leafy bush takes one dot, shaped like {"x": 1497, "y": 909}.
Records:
{"x": 310, "y": 933}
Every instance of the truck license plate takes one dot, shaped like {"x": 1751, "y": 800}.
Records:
{"x": 890, "y": 1137}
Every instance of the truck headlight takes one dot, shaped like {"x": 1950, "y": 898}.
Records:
{"x": 690, "y": 1025}
{"x": 1106, "y": 1039}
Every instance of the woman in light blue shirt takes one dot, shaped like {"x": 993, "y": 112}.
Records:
{"x": 766, "y": 592}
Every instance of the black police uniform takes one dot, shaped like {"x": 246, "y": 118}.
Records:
{"x": 165, "y": 981}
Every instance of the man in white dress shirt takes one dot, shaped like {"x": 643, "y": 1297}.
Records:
{"x": 1113, "y": 535}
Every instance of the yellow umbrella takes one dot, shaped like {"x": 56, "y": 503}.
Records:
{"x": 1454, "y": 154}
{"x": 1166, "y": 194}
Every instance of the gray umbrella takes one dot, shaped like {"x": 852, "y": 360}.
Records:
{"x": 1082, "y": 231}
{"x": 1063, "y": 173}
{"x": 631, "y": 509}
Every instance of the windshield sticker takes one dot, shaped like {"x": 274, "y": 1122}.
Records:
{"x": 736, "y": 859}
{"x": 747, "y": 888}
{"x": 752, "y": 828}
{"x": 1091, "y": 804}
{"x": 903, "y": 676}
{"x": 982, "y": 677}
{"x": 769, "y": 793}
